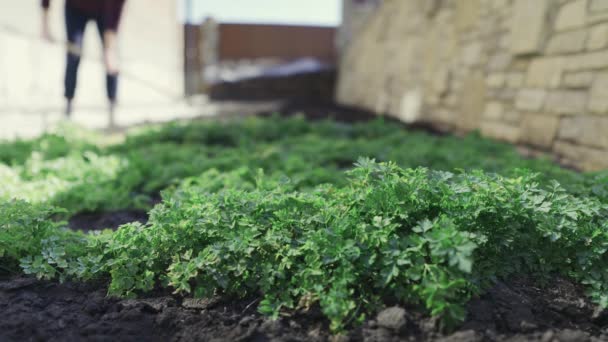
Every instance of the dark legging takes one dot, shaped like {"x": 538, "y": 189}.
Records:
{"x": 76, "y": 23}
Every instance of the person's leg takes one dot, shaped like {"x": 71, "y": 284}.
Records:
{"x": 75, "y": 24}
{"x": 112, "y": 86}
{"x": 111, "y": 77}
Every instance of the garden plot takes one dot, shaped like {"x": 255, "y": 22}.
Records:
{"x": 273, "y": 227}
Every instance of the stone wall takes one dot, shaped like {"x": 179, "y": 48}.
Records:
{"x": 355, "y": 14}
{"x": 531, "y": 72}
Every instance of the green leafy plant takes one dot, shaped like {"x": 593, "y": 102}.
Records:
{"x": 317, "y": 227}
{"x": 418, "y": 236}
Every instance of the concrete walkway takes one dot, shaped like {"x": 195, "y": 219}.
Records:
{"x": 32, "y": 122}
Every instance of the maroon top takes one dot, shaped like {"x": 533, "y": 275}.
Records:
{"x": 110, "y": 10}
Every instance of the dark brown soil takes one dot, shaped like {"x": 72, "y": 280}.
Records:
{"x": 311, "y": 86}
{"x": 106, "y": 220}
{"x": 321, "y": 110}
{"x": 325, "y": 110}
{"x": 516, "y": 311}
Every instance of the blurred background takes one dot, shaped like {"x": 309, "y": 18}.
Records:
{"x": 533, "y": 73}
{"x": 170, "y": 52}
{"x": 32, "y": 70}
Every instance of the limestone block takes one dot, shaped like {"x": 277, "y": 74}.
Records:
{"x": 411, "y": 105}
{"x": 494, "y": 111}
{"x": 581, "y": 79}
{"x": 587, "y": 158}
{"x": 495, "y": 80}
{"x": 492, "y": 93}
{"x": 500, "y": 130}
{"x": 472, "y": 100}
{"x": 505, "y": 23}
{"x": 431, "y": 7}
{"x": 515, "y": 79}
{"x": 570, "y": 129}
{"x": 432, "y": 100}
{"x": 566, "y": 102}
{"x": 441, "y": 81}
{"x": 499, "y": 5}
{"x": 379, "y": 103}
{"x": 512, "y": 116}
{"x": 585, "y": 130}
{"x": 597, "y": 17}
{"x": 571, "y": 15}
{"x": 587, "y": 61}
{"x": 520, "y": 64}
{"x": 567, "y": 42}
{"x": 467, "y": 13}
{"x": 598, "y": 36}
{"x": 528, "y": 25}
{"x": 539, "y": 130}
{"x": 471, "y": 54}
{"x": 506, "y": 95}
{"x": 598, "y": 6}
{"x": 530, "y": 99}
{"x": 598, "y": 96}
{"x": 499, "y": 61}
{"x": 545, "y": 72}
{"x": 451, "y": 100}
{"x": 443, "y": 116}
{"x": 504, "y": 42}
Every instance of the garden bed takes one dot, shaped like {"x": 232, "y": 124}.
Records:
{"x": 288, "y": 218}
{"x": 513, "y": 311}
{"x": 106, "y": 220}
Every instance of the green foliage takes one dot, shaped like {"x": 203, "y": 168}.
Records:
{"x": 78, "y": 181}
{"x": 414, "y": 235}
{"x": 311, "y": 228}
{"x": 28, "y": 236}
{"x": 72, "y": 170}
{"x": 67, "y": 139}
